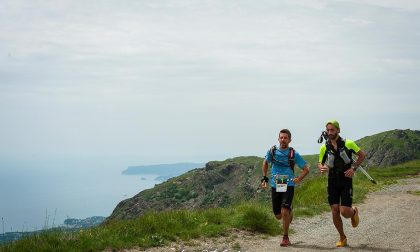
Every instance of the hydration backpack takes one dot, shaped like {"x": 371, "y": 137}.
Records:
{"x": 291, "y": 157}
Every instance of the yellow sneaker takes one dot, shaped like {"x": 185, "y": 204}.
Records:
{"x": 341, "y": 243}
{"x": 355, "y": 218}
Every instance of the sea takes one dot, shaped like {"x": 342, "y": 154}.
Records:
{"x": 40, "y": 194}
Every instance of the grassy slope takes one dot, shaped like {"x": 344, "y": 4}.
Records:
{"x": 155, "y": 229}
{"x": 391, "y": 147}
{"x": 220, "y": 184}
{"x": 397, "y": 139}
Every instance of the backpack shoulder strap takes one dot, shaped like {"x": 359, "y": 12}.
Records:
{"x": 324, "y": 158}
{"x": 292, "y": 158}
{"x": 272, "y": 152}
{"x": 341, "y": 143}
{"x": 328, "y": 146}
{"x": 291, "y": 153}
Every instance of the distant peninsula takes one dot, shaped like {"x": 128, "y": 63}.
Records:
{"x": 164, "y": 171}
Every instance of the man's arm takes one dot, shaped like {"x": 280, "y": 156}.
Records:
{"x": 265, "y": 168}
{"x": 264, "y": 171}
{"x": 321, "y": 159}
{"x": 361, "y": 155}
{"x": 302, "y": 174}
{"x": 322, "y": 167}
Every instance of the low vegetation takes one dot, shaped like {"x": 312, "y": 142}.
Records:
{"x": 157, "y": 229}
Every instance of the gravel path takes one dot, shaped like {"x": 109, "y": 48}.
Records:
{"x": 389, "y": 221}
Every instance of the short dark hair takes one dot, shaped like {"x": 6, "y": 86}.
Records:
{"x": 287, "y": 132}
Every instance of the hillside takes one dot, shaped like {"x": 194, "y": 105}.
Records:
{"x": 391, "y": 147}
{"x": 224, "y": 183}
{"x": 219, "y": 183}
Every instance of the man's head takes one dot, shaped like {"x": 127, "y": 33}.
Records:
{"x": 285, "y": 137}
{"x": 333, "y": 129}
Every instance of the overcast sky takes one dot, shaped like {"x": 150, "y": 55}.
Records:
{"x": 191, "y": 80}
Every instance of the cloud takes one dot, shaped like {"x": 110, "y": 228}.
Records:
{"x": 211, "y": 68}
{"x": 405, "y": 5}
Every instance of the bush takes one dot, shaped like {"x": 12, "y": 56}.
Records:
{"x": 256, "y": 218}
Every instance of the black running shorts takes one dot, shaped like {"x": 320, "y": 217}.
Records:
{"x": 282, "y": 199}
{"x": 340, "y": 192}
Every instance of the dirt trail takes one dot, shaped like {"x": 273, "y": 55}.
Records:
{"x": 389, "y": 221}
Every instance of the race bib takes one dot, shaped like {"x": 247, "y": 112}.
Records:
{"x": 281, "y": 187}
{"x": 281, "y": 183}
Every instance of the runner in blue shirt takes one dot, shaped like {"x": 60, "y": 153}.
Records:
{"x": 283, "y": 180}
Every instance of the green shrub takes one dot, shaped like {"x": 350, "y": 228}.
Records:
{"x": 256, "y": 218}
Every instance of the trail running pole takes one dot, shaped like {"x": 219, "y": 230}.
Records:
{"x": 365, "y": 172}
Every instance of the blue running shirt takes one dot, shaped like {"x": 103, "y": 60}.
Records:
{"x": 282, "y": 167}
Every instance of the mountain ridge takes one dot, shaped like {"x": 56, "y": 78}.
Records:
{"x": 223, "y": 183}
{"x": 391, "y": 147}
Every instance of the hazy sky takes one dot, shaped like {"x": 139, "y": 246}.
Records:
{"x": 192, "y": 80}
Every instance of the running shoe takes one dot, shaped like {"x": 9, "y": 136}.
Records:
{"x": 285, "y": 242}
{"x": 355, "y": 218}
{"x": 341, "y": 243}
